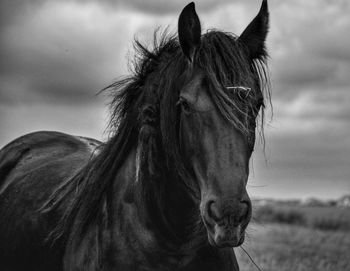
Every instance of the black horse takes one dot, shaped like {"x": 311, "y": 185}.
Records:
{"x": 168, "y": 190}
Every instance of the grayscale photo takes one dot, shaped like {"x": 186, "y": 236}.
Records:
{"x": 155, "y": 135}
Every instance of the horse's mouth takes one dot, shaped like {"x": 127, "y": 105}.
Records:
{"x": 222, "y": 236}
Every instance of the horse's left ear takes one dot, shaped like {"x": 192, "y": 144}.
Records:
{"x": 255, "y": 34}
{"x": 189, "y": 30}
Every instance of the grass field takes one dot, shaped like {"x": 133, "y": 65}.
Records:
{"x": 284, "y": 247}
{"x": 315, "y": 212}
{"x": 324, "y": 218}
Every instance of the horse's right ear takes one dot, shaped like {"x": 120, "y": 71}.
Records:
{"x": 253, "y": 37}
{"x": 189, "y": 30}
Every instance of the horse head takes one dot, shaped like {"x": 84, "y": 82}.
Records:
{"x": 219, "y": 102}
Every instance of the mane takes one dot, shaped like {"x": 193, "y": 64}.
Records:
{"x": 144, "y": 103}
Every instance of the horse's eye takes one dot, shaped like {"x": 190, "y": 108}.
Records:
{"x": 185, "y": 106}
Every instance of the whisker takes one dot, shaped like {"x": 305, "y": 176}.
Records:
{"x": 251, "y": 259}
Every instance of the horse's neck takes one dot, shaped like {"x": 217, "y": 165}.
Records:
{"x": 148, "y": 219}
{"x": 130, "y": 230}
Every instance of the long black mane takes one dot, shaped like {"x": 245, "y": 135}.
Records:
{"x": 144, "y": 113}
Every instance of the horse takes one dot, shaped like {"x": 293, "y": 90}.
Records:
{"x": 167, "y": 190}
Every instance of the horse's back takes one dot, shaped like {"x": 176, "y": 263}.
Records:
{"x": 31, "y": 168}
{"x": 40, "y": 154}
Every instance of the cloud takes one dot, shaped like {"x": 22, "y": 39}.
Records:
{"x": 66, "y": 51}
{"x": 302, "y": 162}
{"x": 25, "y": 118}
{"x": 58, "y": 52}
{"x": 163, "y": 6}
{"x": 12, "y": 9}
{"x": 311, "y": 45}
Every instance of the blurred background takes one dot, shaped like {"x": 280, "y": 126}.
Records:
{"x": 56, "y": 55}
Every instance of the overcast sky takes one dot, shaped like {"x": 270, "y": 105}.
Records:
{"x": 56, "y": 55}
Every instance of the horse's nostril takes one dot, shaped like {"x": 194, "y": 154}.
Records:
{"x": 213, "y": 211}
{"x": 228, "y": 211}
{"x": 244, "y": 210}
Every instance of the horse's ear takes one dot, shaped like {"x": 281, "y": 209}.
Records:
{"x": 189, "y": 30}
{"x": 255, "y": 34}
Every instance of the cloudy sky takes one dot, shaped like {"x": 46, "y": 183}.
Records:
{"x": 56, "y": 55}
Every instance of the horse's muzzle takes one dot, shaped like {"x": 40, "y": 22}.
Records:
{"x": 226, "y": 223}
{"x": 222, "y": 237}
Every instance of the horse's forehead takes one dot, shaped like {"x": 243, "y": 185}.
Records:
{"x": 193, "y": 85}
{"x": 196, "y": 93}
{"x": 194, "y": 89}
